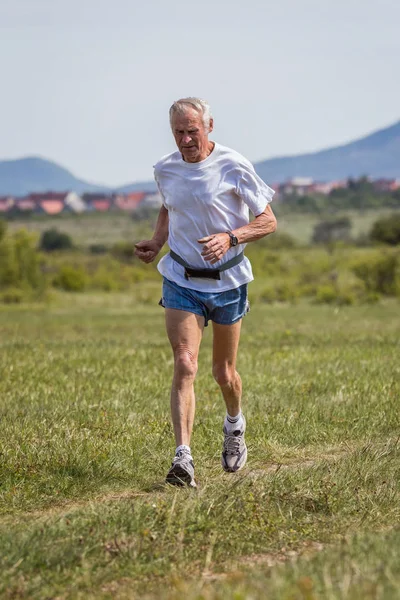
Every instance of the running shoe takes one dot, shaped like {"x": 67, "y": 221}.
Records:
{"x": 234, "y": 452}
{"x": 182, "y": 470}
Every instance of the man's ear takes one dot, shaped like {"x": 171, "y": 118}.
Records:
{"x": 211, "y": 126}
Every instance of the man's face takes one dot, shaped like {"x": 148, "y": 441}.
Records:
{"x": 190, "y": 135}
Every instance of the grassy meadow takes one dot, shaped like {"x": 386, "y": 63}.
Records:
{"x": 86, "y": 442}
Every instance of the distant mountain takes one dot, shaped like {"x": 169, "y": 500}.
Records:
{"x": 376, "y": 155}
{"x": 140, "y": 186}
{"x": 32, "y": 174}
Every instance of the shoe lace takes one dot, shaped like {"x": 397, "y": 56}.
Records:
{"x": 232, "y": 443}
{"x": 182, "y": 455}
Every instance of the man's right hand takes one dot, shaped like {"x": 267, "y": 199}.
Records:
{"x": 147, "y": 250}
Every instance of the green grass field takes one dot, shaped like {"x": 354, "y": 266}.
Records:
{"x": 86, "y": 441}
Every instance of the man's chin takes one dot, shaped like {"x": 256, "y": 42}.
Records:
{"x": 190, "y": 156}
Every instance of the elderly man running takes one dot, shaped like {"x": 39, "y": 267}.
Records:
{"x": 207, "y": 191}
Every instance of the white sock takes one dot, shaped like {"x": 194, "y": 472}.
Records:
{"x": 233, "y": 423}
{"x": 183, "y": 447}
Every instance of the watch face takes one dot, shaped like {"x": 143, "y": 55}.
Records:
{"x": 234, "y": 240}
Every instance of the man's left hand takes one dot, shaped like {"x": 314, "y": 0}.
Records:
{"x": 215, "y": 246}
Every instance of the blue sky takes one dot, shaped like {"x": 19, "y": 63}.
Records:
{"x": 88, "y": 83}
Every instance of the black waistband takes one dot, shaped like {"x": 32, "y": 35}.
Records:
{"x": 206, "y": 273}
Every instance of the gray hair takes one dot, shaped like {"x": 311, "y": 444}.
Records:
{"x": 201, "y": 106}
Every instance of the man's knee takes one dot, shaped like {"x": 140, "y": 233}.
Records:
{"x": 224, "y": 374}
{"x": 185, "y": 362}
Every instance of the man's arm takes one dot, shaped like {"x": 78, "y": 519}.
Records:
{"x": 147, "y": 250}
{"x": 215, "y": 246}
{"x": 262, "y": 225}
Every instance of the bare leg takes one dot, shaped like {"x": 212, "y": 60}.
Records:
{"x": 184, "y": 331}
{"x": 225, "y": 347}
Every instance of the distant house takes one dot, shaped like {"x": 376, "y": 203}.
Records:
{"x": 128, "y": 202}
{"x": 6, "y": 203}
{"x": 297, "y": 185}
{"x": 53, "y": 204}
{"x": 75, "y": 203}
{"x": 49, "y": 203}
{"x": 97, "y": 202}
{"x": 386, "y": 185}
{"x": 25, "y": 204}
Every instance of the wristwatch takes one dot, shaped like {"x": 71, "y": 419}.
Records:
{"x": 233, "y": 239}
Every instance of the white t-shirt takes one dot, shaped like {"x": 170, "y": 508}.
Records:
{"x": 203, "y": 198}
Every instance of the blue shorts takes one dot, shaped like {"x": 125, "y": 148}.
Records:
{"x": 224, "y": 308}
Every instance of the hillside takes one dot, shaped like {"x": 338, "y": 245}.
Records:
{"x": 33, "y": 174}
{"x": 376, "y": 155}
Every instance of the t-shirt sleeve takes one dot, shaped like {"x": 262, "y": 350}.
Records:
{"x": 252, "y": 189}
{"x": 157, "y": 180}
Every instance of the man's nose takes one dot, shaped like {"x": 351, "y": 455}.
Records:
{"x": 186, "y": 139}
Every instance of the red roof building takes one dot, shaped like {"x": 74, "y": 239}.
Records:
{"x": 52, "y": 207}
{"x": 6, "y": 203}
{"x": 97, "y": 202}
{"x": 128, "y": 202}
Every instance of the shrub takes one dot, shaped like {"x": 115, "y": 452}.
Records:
{"x": 380, "y": 274}
{"x": 52, "y": 240}
{"x": 12, "y": 296}
{"x": 98, "y": 249}
{"x": 346, "y": 297}
{"x": 123, "y": 251}
{"x": 286, "y": 292}
{"x": 28, "y": 260}
{"x": 70, "y": 279}
{"x": 8, "y": 263}
{"x": 3, "y": 229}
{"x": 387, "y": 230}
{"x": 19, "y": 262}
{"x": 326, "y": 294}
{"x": 332, "y": 230}
{"x": 371, "y": 298}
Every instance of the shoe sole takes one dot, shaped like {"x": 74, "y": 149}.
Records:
{"x": 179, "y": 477}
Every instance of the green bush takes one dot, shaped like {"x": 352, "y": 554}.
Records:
{"x": 8, "y": 263}
{"x": 371, "y": 298}
{"x": 387, "y": 230}
{"x": 326, "y": 294}
{"x": 380, "y": 273}
{"x": 332, "y": 230}
{"x": 98, "y": 249}
{"x": 70, "y": 279}
{"x": 20, "y": 262}
{"x": 52, "y": 240}
{"x": 3, "y": 229}
{"x": 12, "y": 296}
{"x": 123, "y": 251}
{"x": 346, "y": 297}
{"x": 286, "y": 291}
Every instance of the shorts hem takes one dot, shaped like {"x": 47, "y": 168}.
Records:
{"x": 188, "y": 310}
{"x": 230, "y": 322}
